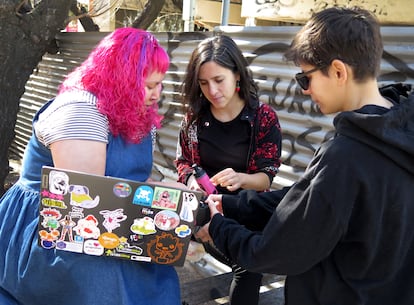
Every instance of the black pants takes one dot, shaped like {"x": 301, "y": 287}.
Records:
{"x": 245, "y": 286}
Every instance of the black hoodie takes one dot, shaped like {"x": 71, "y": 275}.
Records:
{"x": 344, "y": 232}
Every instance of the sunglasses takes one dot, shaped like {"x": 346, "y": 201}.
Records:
{"x": 303, "y": 79}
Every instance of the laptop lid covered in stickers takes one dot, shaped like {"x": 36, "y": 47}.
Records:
{"x": 115, "y": 217}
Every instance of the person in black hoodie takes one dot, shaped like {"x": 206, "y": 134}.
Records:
{"x": 343, "y": 234}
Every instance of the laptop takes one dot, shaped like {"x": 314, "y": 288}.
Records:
{"x": 115, "y": 217}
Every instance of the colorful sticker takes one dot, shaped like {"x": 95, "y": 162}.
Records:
{"x": 182, "y": 231}
{"x": 143, "y": 196}
{"x": 166, "y": 220}
{"x": 87, "y": 227}
{"x": 50, "y": 218}
{"x": 109, "y": 240}
{"x": 125, "y": 247}
{"x": 165, "y": 248}
{"x": 67, "y": 227}
{"x": 47, "y": 239}
{"x": 79, "y": 197}
{"x": 143, "y": 226}
{"x": 166, "y": 198}
{"x": 122, "y": 189}
{"x": 52, "y": 200}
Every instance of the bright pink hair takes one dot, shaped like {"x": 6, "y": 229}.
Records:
{"x": 115, "y": 72}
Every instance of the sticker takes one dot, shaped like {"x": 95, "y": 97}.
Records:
{"x": 58, "y": 182}
{"x": 47, "y": 239}
{"x": 140, "y": 258}
{"x": 112, "y": 219}
{"x": 143, "y": 196}
{"x": 122, "y": 189}
{"x": 46, "y": 193}
{"x": 67, "y": 227}
{"x": 190, "y": 204}
{"x": 87, "y": 227}
{"x": 50, "y": 200}
{"x": 93, "y": 247}
{"x": 69, "y": 246}
{"x": 125, "y": 247}
{"x": 147, "y": 211}
{"x": 79, "y": 197}
{"x": 166, "y": 220}
{"x": 50, "y": 218}
{"x": 109, "y": 240}
{"x": 143, "y": 226}
{"x": 76, "y": 213}
{"x": 136, "y": 238}
{"x": 47, "y": 244}
{"x": 166, "y": 198}
{"x": 182, "y": 231}
{"x": 165, "y": 249}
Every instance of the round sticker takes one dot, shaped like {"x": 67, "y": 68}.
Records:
{"x": 122, "y": 189}
{"x": 166, "y": 220}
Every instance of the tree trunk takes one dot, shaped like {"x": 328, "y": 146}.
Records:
{"x": 149, "y": 14}
{"x": 27, "y": 34}
{"x": 86, "y": 21}
{"x": 25, "y": 37}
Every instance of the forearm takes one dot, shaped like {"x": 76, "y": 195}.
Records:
{"x": 257, "y": 181}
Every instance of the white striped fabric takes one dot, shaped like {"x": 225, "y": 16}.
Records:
{"x": 72, "y": 115}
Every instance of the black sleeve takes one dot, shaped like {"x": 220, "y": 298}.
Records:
{"x": 304, "y": 227}
{"x": 252, "y": 209}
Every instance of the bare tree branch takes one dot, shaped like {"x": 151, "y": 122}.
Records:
{"x": 149, "y": 14}
{"x": 84, "y": 18}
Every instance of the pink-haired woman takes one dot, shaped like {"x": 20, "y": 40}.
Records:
{"x": 101, "y": 122}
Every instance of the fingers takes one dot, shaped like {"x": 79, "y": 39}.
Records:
{"x": 215, "y": 207}
{"x": 214, "y": 198}
{"x": 227, "y": 178}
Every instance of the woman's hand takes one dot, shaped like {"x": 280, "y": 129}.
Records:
{"x": 233, "y": 180}
{"x": 229, "y": 179}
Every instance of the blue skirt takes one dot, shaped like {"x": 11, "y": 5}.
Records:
{"x": 31, "y": 275}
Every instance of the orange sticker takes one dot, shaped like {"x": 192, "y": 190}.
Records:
{"x": 165, "y": 249}
{"x": 109, "y": 240}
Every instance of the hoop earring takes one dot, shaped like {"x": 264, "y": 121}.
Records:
{"x": 238, "y": 86}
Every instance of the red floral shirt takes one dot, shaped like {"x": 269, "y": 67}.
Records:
{"x": 265, "y": 144}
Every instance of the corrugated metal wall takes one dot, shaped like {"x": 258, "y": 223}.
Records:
{"x": 304, "y": 128}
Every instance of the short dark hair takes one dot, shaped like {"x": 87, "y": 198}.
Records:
{"x": 349, "y": 34}
{"x": 223, "y": 50}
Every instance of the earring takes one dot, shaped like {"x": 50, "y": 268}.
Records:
{"x": 238, "y": 86}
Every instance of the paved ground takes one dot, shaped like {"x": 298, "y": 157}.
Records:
{"x": 199, "y": 265}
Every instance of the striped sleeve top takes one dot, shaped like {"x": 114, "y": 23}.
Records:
{"x": 72, "y": 115}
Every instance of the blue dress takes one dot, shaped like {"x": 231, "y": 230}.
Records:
{"x": 31, "y": 275}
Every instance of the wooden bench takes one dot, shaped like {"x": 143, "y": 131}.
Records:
{"x": 217, "y": 287}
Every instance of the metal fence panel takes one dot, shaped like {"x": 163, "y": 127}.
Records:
{"x": 304, "y": 127}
